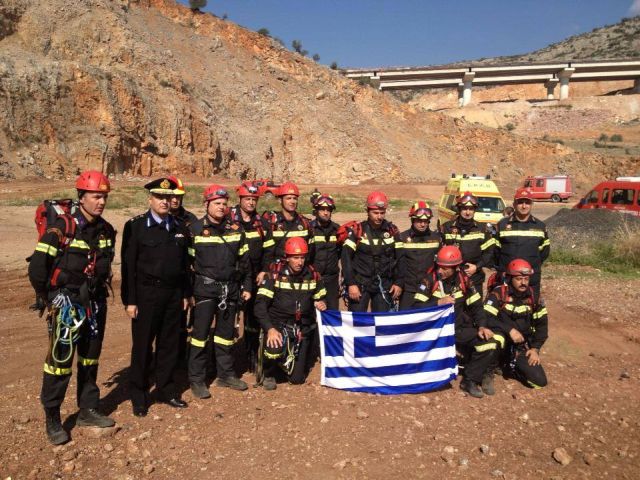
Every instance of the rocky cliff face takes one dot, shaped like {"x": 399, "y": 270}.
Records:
{"x": 143, "y": 87}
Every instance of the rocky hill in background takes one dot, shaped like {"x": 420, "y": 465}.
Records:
{"x": 617, "y": 41}
{"x": 148, "y": 86}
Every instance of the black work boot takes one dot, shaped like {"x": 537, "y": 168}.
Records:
{"x": 487, "y": 384}
{"x": 200, "y": 390}
{"x": 56, "y": 434}
{"x": 90, "y": 417}
{"x": 232, "y": 382}
{"x": 269, "y": 383}
{"x": 472, "y": 388}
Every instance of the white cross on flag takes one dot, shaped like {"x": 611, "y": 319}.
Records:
{"x": 390, "y": 352}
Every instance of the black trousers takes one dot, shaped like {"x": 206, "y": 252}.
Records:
{"x": 302, "y": 365}
{"x": 407, "y": 300}
{"x": 378, "y": 304}
{"x": 57, "y": 375}
{"x": 533, "y": 376}
{"x": 479, "y": 354}
{"x": 251, "y": 334}
{"x": 332, "y": 284}
{"x": 159, "y": 315}
{"x": 223, "y": 338}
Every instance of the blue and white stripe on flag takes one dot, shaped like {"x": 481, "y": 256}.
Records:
{"x": 388, "y": 352}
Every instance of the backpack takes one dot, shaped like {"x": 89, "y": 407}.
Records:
{"x": 463, "y": 280}
{"x": 274, "y": 218}
{"x": 51, "y": 210}
{"x": 256, "y": 221}
{"x": 343, "y": 231}
{"x": 276, "y": 267}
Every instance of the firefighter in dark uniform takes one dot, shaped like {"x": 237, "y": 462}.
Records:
{"x": 70, "y": 271}
{"x": 448, "y": 284}
{"x": 185, "y": 217}
{"x": 419, "y": 247}
{"x": 156, "y": 288}
{"x": 472, "y": 238}
{"x": 522, "y": 236}
{"x": 255, "y": 228}
{"x": 518, "y": 317}
{"x": 285, "y": 308}
{"x": 327, "y": 248}
{"x": 283, "y": 225}
{"x": 176, "y": 208}
{"x": 222, "y": 277}
{"x": 373, "y": 267}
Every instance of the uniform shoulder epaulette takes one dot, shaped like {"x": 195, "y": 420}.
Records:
{"x": 137, "y": 217}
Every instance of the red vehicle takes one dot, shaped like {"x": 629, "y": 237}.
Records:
{"x": 265, "y": 187}
{"x": 556, "y": 188}
{"x": 621, "y": 194}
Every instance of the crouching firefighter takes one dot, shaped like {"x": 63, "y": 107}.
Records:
{"x": 70, "y": 271}
{"x": 222, "y": 277}
{"x": 285, "y": 308}
{"x": 519, "y": 319}
{"x": 449, "y": 284}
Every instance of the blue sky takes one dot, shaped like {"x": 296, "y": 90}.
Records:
{"x": 367, "y": 33}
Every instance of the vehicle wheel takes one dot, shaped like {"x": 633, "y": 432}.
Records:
{"x": 555, "y": 198}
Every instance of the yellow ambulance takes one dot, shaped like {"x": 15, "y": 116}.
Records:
{"x": 490, "y": 202}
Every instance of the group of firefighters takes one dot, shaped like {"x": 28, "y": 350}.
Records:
{"x": 186, "y": 282}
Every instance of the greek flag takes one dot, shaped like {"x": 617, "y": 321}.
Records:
{"x": 388, "y": 353}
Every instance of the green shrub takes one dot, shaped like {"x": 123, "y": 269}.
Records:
{"x": 510, "y": 126}
{"x": 616, "y": 137}
{"x": 603, "y": 137}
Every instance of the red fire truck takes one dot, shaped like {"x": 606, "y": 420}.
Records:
{"x": 556, "y": 188}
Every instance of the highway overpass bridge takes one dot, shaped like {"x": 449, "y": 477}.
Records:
{"x": 464, "y": 78}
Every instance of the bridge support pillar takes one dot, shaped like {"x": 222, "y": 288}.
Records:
{"x": 636, "y": 85}
{"x": 467, "y": 82}
{"x": 460, "y": 94}
{"x": 551, "y": 85}
{"x": 564, "y": 76}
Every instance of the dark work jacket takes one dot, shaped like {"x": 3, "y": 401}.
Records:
{"x": 468, "y": 302}
{"x": 255, "y": 231}
{"x": 473, "y": 239}
{"x": 527, "y": 240}
{"x": 419, "y": 250}
{"x": 220, "y": 252}
{"x": 327, "y": 248}
{"x": 185, "y": 216}
{"x": 507, "y": 308}
{"x": 154, "y": 257}
{"x": 378, "y": 252}
{"x": 51, "y": 267}
{"x": 279, "y": 230}
{"x": 280, "y": 291}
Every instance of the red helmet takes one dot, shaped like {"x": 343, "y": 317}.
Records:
{"x": 467, "y": 199}
{"x": 449, "y": 256}
{"x": 93, "y": 181}
{"x": 519, "y": 267}
{"x": 180, "y": 189}
{"x": 420, "y": 210}
{"x": 522, "y": 193}
{"x": 324, "y": 200}
{"x": 213, "y": 192}
{"x": 248, "y": 190}
{"x": 377, "y": 200}
{"x": 288, "y": 188}
{"x": 296, "y": 246}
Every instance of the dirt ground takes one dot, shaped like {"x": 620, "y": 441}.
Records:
{"x": 590, "y": 407}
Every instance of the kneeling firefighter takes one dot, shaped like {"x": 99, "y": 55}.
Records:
{"x": 518, "y": 317}
{"x": 449, "y": 284}
{"x": 285, "y": 308}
